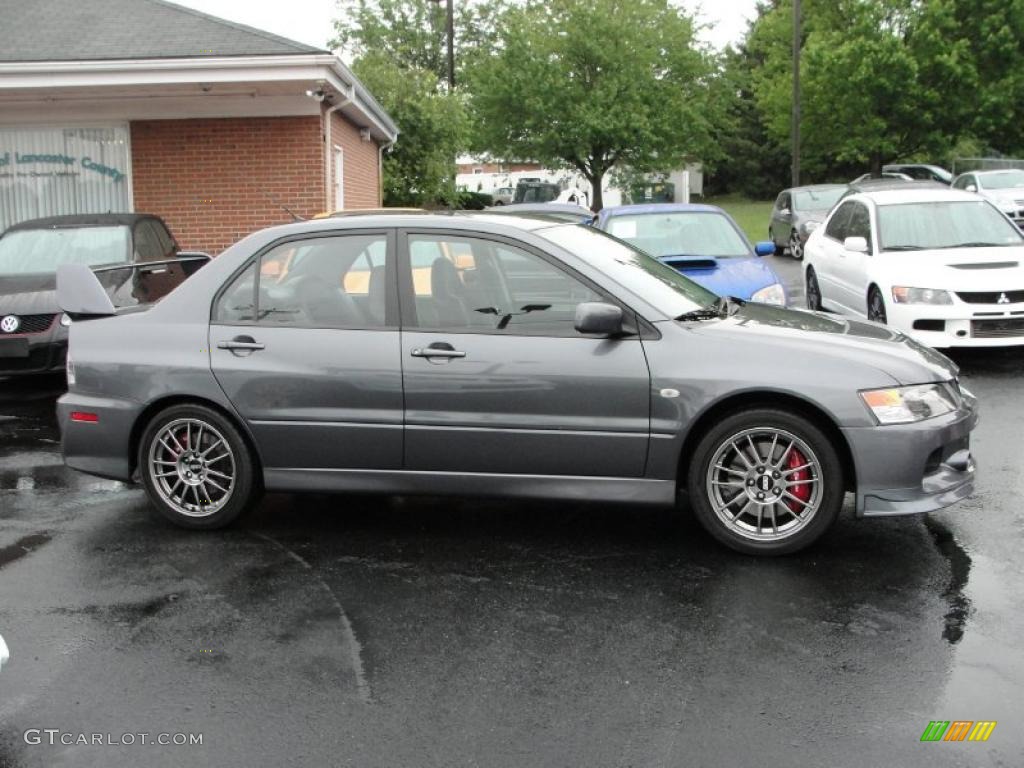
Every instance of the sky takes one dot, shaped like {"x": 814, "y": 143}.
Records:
{"x": 309, "y": 21}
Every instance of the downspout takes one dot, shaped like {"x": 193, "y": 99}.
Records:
{"x": 329, "y": 149}
{"x": 380, "y": 170}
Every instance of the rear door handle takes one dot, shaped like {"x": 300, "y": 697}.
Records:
{"x": 241, "y": 342}
{"x": 437, "y": 349}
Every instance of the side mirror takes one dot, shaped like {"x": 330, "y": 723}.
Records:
{"x": 971, "y": 188}
{"x": 764, "y": 248}
{"x": 856, "y": 244}
{"x": 785, "y": 212}
{"x": 80, "y": 294}
{"x": 596, "y": 317}
{"x": 810, "y": 226}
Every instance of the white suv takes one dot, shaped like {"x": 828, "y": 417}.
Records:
{"x": 941, "y": 265}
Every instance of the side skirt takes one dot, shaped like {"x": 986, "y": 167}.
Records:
{"x": 613, "y": 489}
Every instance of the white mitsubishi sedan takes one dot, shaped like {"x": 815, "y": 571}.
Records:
{"x": 943, "y": 266}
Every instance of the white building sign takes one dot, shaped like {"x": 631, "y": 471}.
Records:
{"x": 53, "y": 171}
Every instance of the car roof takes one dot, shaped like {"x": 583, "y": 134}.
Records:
{"x": 993, "y": 171}
{"x": 539, "y": 208}
{"x": 802, "y": 187}
{"x": 918, "y": 194}
{"x": 871, "y": 185}
{"x": 643, "y": 208}
{"x": 72, "y": 221}
{"x": 364, "y": 211}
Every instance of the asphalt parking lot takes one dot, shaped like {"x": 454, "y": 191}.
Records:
{"x": 360, "y": 631}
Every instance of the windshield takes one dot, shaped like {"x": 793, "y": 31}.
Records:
{"x": 1006, "y": 180}
{"x": 944, "y": 224}
{"x": 679, "y": 233}
{"x": 41, "y": 251}
{"x": 658, "y": 284}
{"x": 816, "y": 199}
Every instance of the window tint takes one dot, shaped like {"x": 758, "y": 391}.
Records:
{"x": 836, "y": 227}
{"x": 783, "y": 202}
{"x": 488, "y": 287}
{"x": 164, "y": 238}
{"x": 859, "y": 224}
{"x": 324, "y": 282}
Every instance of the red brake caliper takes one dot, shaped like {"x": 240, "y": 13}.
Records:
{"x": 802, "y": 491}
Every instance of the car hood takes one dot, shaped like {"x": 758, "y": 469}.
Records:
{"x": 739, "y": 277}
{"x": 28, "y": 294}
{"x": 802, "y": 334}
{"x": 959, "y": 269}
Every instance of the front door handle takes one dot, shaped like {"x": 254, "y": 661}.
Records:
{"x": 240, "y": 342}
{"x": 437, "y": 349}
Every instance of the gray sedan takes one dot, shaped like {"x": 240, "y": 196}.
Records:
{"x": 489, "y": 354}
{"x": 796, "y": 211}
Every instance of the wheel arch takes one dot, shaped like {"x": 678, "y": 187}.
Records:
{"x": 768, "y": 399}
{"x": 153, "y": 408}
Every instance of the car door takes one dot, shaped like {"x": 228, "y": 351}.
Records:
{"x": 305, "y": 343}
{"x": 496, "y": 378}
{"x": 851, "y": 267}
{"x": 782, "y": 218}
{"x": 828, "y": 264}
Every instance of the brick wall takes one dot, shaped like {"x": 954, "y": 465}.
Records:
{"x": 205, "y": 176}
{"x": 362, "y": 183}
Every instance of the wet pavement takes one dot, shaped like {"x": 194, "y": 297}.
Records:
{"x": 361, "y": 631}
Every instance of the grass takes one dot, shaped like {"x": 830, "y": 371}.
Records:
{"x": 751, "y": 215}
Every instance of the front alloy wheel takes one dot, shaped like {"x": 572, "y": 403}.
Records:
{"x": 196, "y": 467}
{"x": 796, "y": 246}
{"x": 766, "y": 482}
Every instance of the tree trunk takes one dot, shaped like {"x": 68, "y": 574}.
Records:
{"x": 876, "y": 165}
{"x": 597, "y": 196}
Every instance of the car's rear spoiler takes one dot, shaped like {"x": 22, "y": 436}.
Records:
{"x": 82, "y": 295}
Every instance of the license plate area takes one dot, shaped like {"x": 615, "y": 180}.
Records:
{"x": 14, "y": 347}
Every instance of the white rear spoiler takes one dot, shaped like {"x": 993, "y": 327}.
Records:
{"x": 80, "y": 294}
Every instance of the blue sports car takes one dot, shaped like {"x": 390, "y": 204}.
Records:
{"x": 702, "y": 242}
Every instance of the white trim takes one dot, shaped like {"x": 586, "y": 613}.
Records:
{"x": 51, "y": 76}
{"x": 337, "y": 152}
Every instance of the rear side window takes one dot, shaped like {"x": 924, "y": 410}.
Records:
{"x": 859, "y": 224}
{"x": 322, "y": 282}
{"x": 837, "y": 224}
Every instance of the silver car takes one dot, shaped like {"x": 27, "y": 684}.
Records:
{"x": 489, "y": 354}
{"x": 796, "y": 211}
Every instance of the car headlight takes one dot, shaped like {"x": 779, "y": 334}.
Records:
{"x": 770, "y": 294}
{"x": 65, "y": 320}
{"x": 904, "y": 295}
{"x": 905, "y": 405}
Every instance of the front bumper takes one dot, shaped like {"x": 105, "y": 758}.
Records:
{"x": 959, "y": 324}
{"x": 914, "y": 468}
{"x": 34, "y": 353}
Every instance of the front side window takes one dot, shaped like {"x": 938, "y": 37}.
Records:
{"x": 859, "y": 224}
{"x": 680, "y": 234}
{"x": 41, "y": 251}
{"x": 944, "y": 224}
{"x": 323, "y": 282}
{"x": 837, "y": 224}
{"x": 475, "y": 285}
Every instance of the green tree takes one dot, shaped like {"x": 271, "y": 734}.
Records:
{"x": 593, "y": 85}
{"x": 418, "y": 170}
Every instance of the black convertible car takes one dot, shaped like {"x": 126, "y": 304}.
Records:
{"x": 134, "y": 255}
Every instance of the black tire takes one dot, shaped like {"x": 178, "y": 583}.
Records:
{"x": 813, "y": 291}
{"x": 796, "y": 247}
{"x": 829, "y": 498}
{"x": 245, "y": 487}
{"x": 876, "y": 306}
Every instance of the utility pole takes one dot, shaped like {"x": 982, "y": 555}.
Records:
{"x": 795, "y": 119}
{"x": 450, "y": 35}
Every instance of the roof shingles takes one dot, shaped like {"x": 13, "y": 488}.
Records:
{"x": 91, "y": 30}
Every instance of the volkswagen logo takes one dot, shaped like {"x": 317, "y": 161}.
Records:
{"x": 10, "y": 324}
{"x": 1003, "y": 299}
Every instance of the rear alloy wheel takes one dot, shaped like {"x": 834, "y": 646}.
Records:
{"x": 766, "y": 482}
{"x": 796, "y": 246}
{"x": 197, "y": 469}
{"x": 876, "y": 306}
{"x": 813, "y": 291}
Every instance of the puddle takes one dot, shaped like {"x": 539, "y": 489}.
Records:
{"x": 22, "y": 547}
{"x": 959, "y": 568}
